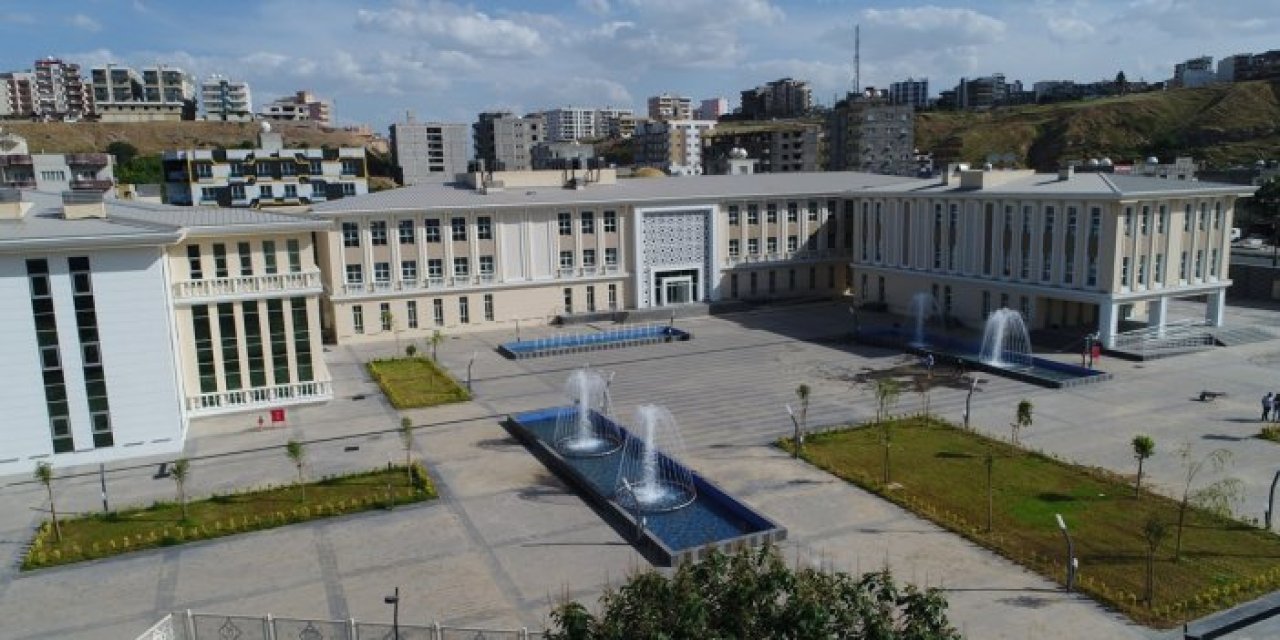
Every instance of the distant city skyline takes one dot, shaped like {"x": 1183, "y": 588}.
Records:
{"x": 448, "y": 61}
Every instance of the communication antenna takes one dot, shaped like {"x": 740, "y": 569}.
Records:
{"x": 857, "y": 58}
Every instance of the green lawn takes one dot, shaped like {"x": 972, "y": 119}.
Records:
{"x": 939, "y": 472}
{"x": 412, "y": 383}
{"x": 160, "y": 525}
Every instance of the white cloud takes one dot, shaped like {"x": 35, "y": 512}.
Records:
{"x": 451, "y": 26}
{"x": 929, "y": 26}
{"x": 81, "y": 21}
{"x": 1068, "y": 29}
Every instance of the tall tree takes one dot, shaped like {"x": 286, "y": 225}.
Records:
{"x": 1217, "y": 498}
{"x": 887, "y": 392}
{"x": 406, "y": 439}
{"x": 1022, "y": 418}
{"x": 754, "y": 594}
{"x": 44, "y": 474}
{"x": 180, "y": 470}
{"x": 1143, "y": 447}
{"x": 436, "y": 339}
{"x": 298, "y": 456}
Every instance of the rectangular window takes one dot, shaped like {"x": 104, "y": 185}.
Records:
{"x": 735, "y": 247}
{"x": 378, "y": 233}
{"x": 459, "y": 229}
{"x": 350, "y": 234}
{"x": 357, "y": 318}
{"x": 1124, "y": 272}
{"x": 1158, "y": 274}
{"x": 1204, "y": 218}
{"x": 1162, "y": 219}
{"x": 461, "y": 267}
{"x": 432, "y": 228}
{"x": 1217, "y": 215}
{"x": 406, "y": 232}
{"x": 464, "y": 310}
{"x": 384, "y": 315}
{"x": 263, "y": 168}
{"x": 269, "y": 256}
{"x": 301, "y": 339}
{"x": 382, "y": 272}
{"x": 588, "y": 222}
{"x": 771, "y": 213}
{"x": 1182, "y": 267}
{"x": 411, "y": 313}
{"x": 734, "y": 216}
{"x": 1199, "y": 264}
{"x": 230, "y": 345}
{"x": 611, "y": 257}
{"x": 202, "y": 333}
{"x": 488, "y": 307}
{"x": 408, "y": 270}
{"x": 237, "y": 192}
{"x": 610, "y": 222}
{"x": 435, "y": 268}
{"x": 279, "y": 341}
{"x": 1128, "y": 221}
{"x": 288, "y": 169}
{"x": 246, "y": 258}
{"x": 266, "y": 192}
{"x": 291, "y": 191}
{"x": 294, "y": 253}
{"x": 316, "y": 167}
{"x": 1213, "y": 263}
{"x": 753, "y": 214}
{"x": 813, "y": 211}
{"x": 588, "y": 257}
{"x": 484, "y": 228}
{"x": 591, "y": 299}
{"x": 565, "y": 223}
{"x": 793, "y": 212}
{"x": 486, "y": 266}
{"x": 568, "y": 300}
{"x": 753, "y": 246}
{"x": 1142, "y": 271}
{"x": 253, "y": 345}
{"x": 831, "y": 230}
{"x": 566, "y": 259}
{"x": 349, "y": 167}
{"x": 355, "y": 274}
{"x": 771, "y": 245}
{"x": 348, "y": 189}
{"x": 193, "y": 262}
{"x": 437, "y": 311}
{"x": 1046, "y": 249}
{"x": 613, "y": 295}
{"x": 1144, "y": 226}
{"x": 220, "y": 261}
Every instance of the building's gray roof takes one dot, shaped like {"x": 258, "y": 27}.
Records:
{"x": 132, "y": 222}
{"x": 766, "y": 185}
{"x": 650, "y": 190}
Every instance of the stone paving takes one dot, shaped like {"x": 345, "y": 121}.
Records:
{"x": 507, "y": 539}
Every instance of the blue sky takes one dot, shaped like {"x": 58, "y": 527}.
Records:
{"x": 448, "y": 60}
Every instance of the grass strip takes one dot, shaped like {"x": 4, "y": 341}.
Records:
{"x": 413, "y": 383}
{"x": 162, "y": 524}
{"x": 939, "y": 472}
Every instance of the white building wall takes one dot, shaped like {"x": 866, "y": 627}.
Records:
{"x": 25, "y": 428}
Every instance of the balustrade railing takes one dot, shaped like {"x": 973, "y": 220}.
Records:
{"x": 262, "y": 396}
{"x": 240, "y": 285}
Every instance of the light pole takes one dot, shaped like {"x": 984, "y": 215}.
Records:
{"x": 1271, "y": 499}
{"x": 968, "y": 399}
{"x": 795, "y": 439}
{"x": 470, "y": 363}
{"x": 394, "y": 601}
{"x": 1071, "y": 553}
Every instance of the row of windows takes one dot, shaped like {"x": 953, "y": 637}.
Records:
{"x": 771, "y": 245}
{"x": 586, "y": 222}
{"x": 1189, "y": 217}
{"x": 387, "y": 320}
{"x": 462, "y": 266}
{"x": 244, "y": 259}
{"x": 753, "y": 286}
{"x": 611, "y": 301}
{"x": 406, "y": 233}
{"x": 1157, "y": 275}
{"x": 771, "y": 212}
{"x": 257, "y": 351}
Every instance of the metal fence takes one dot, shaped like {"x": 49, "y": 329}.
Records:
{"x": 1178, "y": 336}
{"x": 189, "y": 625}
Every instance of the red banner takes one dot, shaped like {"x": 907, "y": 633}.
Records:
{"x": 277, "y": 415}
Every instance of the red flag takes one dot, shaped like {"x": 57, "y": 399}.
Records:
{"x": 277, "y": 415}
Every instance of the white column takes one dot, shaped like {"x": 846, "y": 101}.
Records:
{"x": 1213, "y": 310}
{"x": 1157, "y": 313}
{"x": 1107, "y": 318}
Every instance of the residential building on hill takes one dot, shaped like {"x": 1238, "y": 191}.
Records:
{"x": 160, "y": 93}
{"x": 674, "y": 146}
{"x": 570, "y": 124}
{"x": 1196, "y": 72}
{"x": 870, "y": 134}
{"x": 53, "y": 172}
{"x": 270, "y": 175}
{"x": 504, "y": 142}
{"x": 226, "y": 100}
{"x": 784, "y": 98}
{"x": 776, "y": 146}
{"x": 670, "y": 107}
{"x": 912, "y": 91}
{"x": 17, "y": 95}
{"x": 428, "y": 151}
{"x": 302, "y": 106}
{"x": 60, "y": 91}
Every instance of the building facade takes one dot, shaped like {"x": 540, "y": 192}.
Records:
{"x": 785, "y": 98}
{"x": 778, "y": 146}
{"x": 670, "y": 107}
{"x": 428, "y": 151}
{"x": 302, "y": 106}
{"x": 912, "y": 91}
{"x": 53, "y": 172}
{"x": 268, "y": 176}
{"x": 60, "y": 91}
{"x": 871, "y": 135}
{"x": 673, "y": 146}
{"x": 226, "y": 100}
{"x": 505, "y": 142}
{"x": 18, "y": 94}
{"x": 129, "y": 320}
{"x": 711, "y": 109}
{"x": 160, "y": 93}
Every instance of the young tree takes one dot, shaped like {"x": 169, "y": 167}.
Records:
{"x": 180, "y": 470}
{"x": 1022, "y": 419}
{"x": 44, "y": 474}
{"x": 990, "y": 459}
{"x": 411, "y": 350}
{"x": 887, "y": 392}
{"x": 802, "y": 392}
{"x": 754, "y": 594}
{"x": 298, "y": 456}
{"x": 1143, "y": 447}
{"x": 406, "y": 439}
{"x": 1217, "y": 498}
{"x": 389, "y": 324}
{"x": 1153, "y": 532}
{"x": 436, "y": 339}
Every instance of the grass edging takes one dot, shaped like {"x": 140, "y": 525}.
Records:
{"x": 100, "y": 535}
{"x": 415, "y": 382}
{"x": 1222, "y": 581}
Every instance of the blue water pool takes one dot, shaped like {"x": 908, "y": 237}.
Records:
{"x": 592, "y": 340}
{"x": 714, "y": 519}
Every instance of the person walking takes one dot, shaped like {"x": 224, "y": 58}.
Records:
{"x": 1275, "y": 407}
{"x": 1266, "y": 406}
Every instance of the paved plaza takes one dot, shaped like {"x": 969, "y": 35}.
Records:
{"x": 507, "y": 540}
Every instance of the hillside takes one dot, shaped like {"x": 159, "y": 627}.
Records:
{"x": 1222, "y": 125}
{"x": 155, "y": 137}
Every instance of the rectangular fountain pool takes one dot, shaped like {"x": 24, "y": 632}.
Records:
{"x": 592, "y": 341}
{"x": 714, "y": 519}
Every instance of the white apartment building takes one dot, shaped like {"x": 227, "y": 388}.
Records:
{"x": 670, "y": 107}
{"x": 226, "y": 100}
{"x": 674, "y": 146}
{"x": 428, "y": 151}
{"x": 573, "y": 124}
{"x": 302, "y": 106}
{"x": 160, "y": 93}
{"x": 128, "y": 320}
{"x": 268, "y": 176}
{"x": 60, "y": 91}
{"x": 53, "y": 172}
{"x": 711, "y": 109}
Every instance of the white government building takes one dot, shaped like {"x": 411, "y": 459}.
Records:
{"x": 129, "y": 320}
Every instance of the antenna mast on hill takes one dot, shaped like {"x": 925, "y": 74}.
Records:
{"x": 857, "y": 58}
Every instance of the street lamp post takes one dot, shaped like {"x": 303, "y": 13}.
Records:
{"x": 1271, "y": 499}
{"x": 1071, "y": 553}
{"x": 470, "y": 363}
{"x": 796, "y": 441}
{"x": 968, "y": 399}
{"x": 394, "y": 601}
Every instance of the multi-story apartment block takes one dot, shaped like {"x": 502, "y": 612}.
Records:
{"x": 985, "y": 92}
{"x": 121, "y": 94}
{"x": 428, "y": 151}
{"x": 53, "y": 172}
{"x": 129, "y": 320}
{"x": 17, "y": 95}
{"x": 268, "y": 176}
{"x": 226, "y": 100}
{"x": 1247, "y": 66}
{"x": 60, "y": 92}
{"x": 572, "y": 124}
{"x": 871, "y": 135}
{"x": 504, "y": 142}
{"x": 912, "y": 91}
{"x": 302, "y": 106}
{"x": 776, "y": 146}
{"x": 622, "y": 126}
{"x": 1196, "y": 72}
{"x": 711, "y": 109}
{"x": 560, "y": 155}
{"x": 674, "y": 146}
{"x": 670, "y": 107}
{"x": 785, "y": 98}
